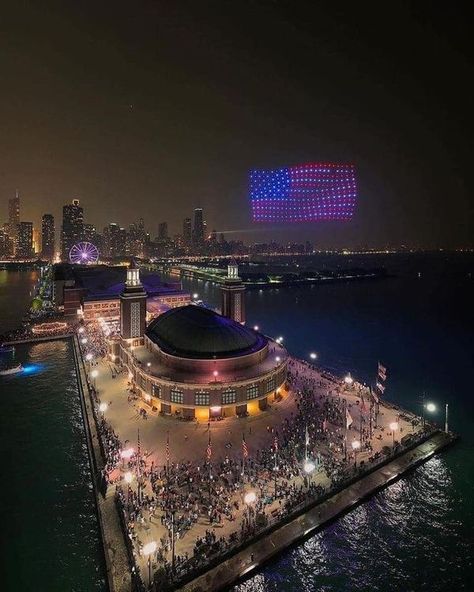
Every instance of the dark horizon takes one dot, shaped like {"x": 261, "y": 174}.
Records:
{"x": 154, "y": 109}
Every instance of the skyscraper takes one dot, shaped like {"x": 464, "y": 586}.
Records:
{"x": 187, "y": 232}
{"x": 73, "y": 227}
{"x": 163, "y": 231}
{"x": 14, "y": 209}
{"x": 25, "y": 240}
{"x": 47, "y": 237}
{"x": 14, "y": 219}
{"x": 198, "y": 230}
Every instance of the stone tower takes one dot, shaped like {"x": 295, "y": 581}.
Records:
{"x": 133, "y": 305}
{"x": 233, "y": 294}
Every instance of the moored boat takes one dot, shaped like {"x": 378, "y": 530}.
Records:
{"x": 12, "y": 370}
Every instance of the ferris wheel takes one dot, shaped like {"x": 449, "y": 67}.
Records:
{"x": 83, "y": 253}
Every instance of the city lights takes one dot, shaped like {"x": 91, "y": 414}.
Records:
{"x": 250, "y": 497}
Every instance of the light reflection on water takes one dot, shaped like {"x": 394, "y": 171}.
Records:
{"x": 48, "y": 514}
{"x": 395, "y": 541}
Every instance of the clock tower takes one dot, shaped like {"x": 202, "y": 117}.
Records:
{"x": 233, "y": 292}
{"x": 133, "y": 305}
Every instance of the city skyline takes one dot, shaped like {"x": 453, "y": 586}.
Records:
{"x": 152, "y": 113}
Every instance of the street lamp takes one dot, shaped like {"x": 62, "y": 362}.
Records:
{"x": 128, "y": 477}
{"x": 250, "y": 498}
{"x": 148, "y": 365}
{"x": 84, "y": 340}
{"x": 256, "y": 327}
{"x": 215, "y": 374}
{"x": 80, "y": 330}
{"x": 431, "y": 407}
{"x": 103, "y": 407}
{"x": 355, "y": 448}
{"x": 94, "y": 375}
{"x": 89, "y": 357}
{"x": 313, "y": 355}
{"x": 148, "y": 551}
{"x": 348, "y": 379}
{"x": 278, "y": 359}
{"x": 195, "y": 296}
{"x": 394, "y": 427}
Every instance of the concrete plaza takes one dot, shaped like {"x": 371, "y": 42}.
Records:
{"x": 188, "y": 441}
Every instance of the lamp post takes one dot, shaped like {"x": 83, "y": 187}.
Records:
{"x": 103, "y": 407}
{"x": 313, "y": 356}
{"x": 355, "y": 448}
{"x": 250, "y": 498}
{"x": 172, "y": 541}
{"x": 348, "y": 379}
{"x": 308, "y": 468}
{"x": 215, "y": 374}
{"x": 128, "y": 477}
{"x": 256, "y": 328}
{"x": 94, "y": 375}
{"x": 446, "y": 418}
{"x": 148, "y": 551}
{"x": 394, "y": 427}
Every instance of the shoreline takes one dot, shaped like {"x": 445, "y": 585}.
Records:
{"x": 307, "y": 522}
{"x": 240, "y": 563}
{"x": 112, "y": 536}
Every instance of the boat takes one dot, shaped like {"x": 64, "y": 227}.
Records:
{"x": 7, "y": 349}
{"x": 12, "y": 370}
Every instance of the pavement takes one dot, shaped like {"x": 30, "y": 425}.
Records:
{"x": 245, "y": 562}
{"x": 188, "y": 440}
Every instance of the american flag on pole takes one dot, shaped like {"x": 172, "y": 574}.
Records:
{"x": 245, "y": 450}
{"x": 209, "y": 449}
{"x": 382, "y": 372}
{"x": 349, "y": 419}
{"x": 380, "y": 387}
{"x": 275, "y": 444}
{"x": 306, "y": 437}
{"x": 325, "y": 424}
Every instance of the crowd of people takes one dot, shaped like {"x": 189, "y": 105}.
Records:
{"x": 180, "y": 495}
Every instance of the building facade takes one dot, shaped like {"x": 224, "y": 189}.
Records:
{"x": 233, "y": 295}
{"x": 72, "y": 230}
{"x": 25, "y": 240}
{"x": 47, "y": 237}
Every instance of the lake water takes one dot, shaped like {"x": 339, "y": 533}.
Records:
{"x": 416, "y": 535}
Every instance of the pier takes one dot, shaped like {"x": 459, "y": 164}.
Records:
{"x": 129, "y": 570}
{"x": 244, "y": 563}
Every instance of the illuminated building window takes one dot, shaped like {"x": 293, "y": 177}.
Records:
{"x": 252, "y": 391}
{"x": 271, "y": 384}
{"x": 156, "y": 391}
{"x": 229, "y": 396}
{"x": 201, "y": 399}
{"x": 176, "y": 396}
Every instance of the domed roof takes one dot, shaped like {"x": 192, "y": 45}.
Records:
{"x": 197, "y": 332}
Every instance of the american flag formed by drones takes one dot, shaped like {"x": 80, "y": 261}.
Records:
{"x": 303, "y": 193}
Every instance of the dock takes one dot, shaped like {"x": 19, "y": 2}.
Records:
{"x": 244, "y": 563}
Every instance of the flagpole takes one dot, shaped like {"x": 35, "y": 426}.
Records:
{"x": 345, "y": 429}
{"x": 209, "y": 459}
{"x": 243, "y": 457}
{"x": 138, "y": 466}
{"x": 306, "y": 444}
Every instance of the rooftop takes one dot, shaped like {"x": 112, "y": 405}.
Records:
{"x": 200, "y": 333}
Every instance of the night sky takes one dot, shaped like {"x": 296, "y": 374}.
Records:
{"x": 149, "y": 109}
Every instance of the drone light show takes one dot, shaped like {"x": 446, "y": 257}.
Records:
{"x": 303, "y": 193}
